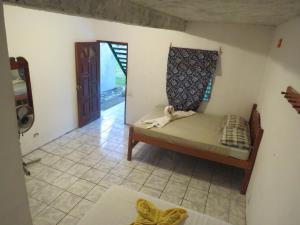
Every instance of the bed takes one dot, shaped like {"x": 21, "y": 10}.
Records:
{"x": 199, "y": 135}
{"x": 117, "y": 206}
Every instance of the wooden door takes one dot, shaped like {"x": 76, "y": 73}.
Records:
{"x": 88, "y": 81}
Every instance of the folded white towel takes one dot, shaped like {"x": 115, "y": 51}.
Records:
{"x": 169, "y": 115}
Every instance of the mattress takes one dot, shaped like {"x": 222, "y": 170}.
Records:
{"x": 199, "y": 131}
{"x": 117, "y": 207}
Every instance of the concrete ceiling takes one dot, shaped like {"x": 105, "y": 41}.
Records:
{"x": 262, "y": 12}
{"x": 173, "y": 14}
{"x": 123, "y": 11}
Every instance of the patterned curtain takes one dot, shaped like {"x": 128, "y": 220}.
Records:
{"x": 189, "y": 73}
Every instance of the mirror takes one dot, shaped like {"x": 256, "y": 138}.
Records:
{"x": 22, "y": 90}
{"x": 23, "y": 98}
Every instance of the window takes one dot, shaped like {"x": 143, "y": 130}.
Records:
{"x": 208, "y": 91}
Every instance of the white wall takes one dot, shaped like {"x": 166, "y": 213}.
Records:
{"x": 47, "y": 41}
{"x": 273, "y": 195}
{"x": 13, "y": 198}
{"x": 242, "y": 64}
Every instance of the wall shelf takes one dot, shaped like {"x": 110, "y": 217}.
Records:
{"x": 293, "y": 97}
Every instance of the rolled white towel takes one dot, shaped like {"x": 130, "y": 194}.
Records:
{"x": 169, "y": 115}
{"x": 169, "y": 111}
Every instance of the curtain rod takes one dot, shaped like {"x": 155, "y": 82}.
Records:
{"x": 220, "y": 49}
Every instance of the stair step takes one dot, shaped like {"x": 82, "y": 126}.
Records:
{"x": 120, "y": 50}
{"x": 121, "y": 53}
{"x": 116, "y": 46}
{"x": 121, "y": 56}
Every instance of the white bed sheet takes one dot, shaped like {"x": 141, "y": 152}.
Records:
{"x": 117, "y": 207}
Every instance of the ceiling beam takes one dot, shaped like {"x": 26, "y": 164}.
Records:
{"x": 122, "y": 11}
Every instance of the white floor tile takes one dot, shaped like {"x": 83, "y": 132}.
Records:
{"x": 81, "y": 187}
{"x": 49, "y": 216}
{"x": 65, "y": 202}
{"x": 69, "y": 220}
{"x": 48, "y": 194}
{"x": 81, "y": 208}
{"x": 93, "y": 175}
{"x": 95, "y": 194}
{"x": 156, "y": 182}
{"x": 65, "y": 181}
{"x": 36, "y": 206}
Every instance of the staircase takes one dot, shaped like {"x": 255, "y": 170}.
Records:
{"x": 120, "y": 53}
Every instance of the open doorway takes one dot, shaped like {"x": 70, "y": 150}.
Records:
{"x": 101, "y": 77}
{"x": 113, "y": 78}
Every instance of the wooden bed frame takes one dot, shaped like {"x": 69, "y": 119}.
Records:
{"x": 256, "y": 133}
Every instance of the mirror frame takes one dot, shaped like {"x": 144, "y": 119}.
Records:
{"x": 18, "y": 63}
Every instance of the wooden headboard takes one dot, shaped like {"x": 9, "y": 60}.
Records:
{"x": 256, "y": 133}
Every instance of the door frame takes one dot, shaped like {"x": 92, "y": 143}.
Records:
{"x": 121, "y": 43}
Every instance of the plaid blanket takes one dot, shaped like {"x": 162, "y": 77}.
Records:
{"x": 235, "y": 137}
{"x": 235, "y": 121}
{"x": 236, "y": 132}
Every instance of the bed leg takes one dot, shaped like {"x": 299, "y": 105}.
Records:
{"x": 246, "y": 180}
{"x": 130, "y": 144}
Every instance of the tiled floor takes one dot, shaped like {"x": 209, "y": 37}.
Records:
{"x": 77, "y": 168}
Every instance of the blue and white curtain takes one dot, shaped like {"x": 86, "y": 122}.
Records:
{"x": 188, "y": 75}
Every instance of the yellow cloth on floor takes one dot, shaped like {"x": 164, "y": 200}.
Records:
{"x": 148, "y": 214}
